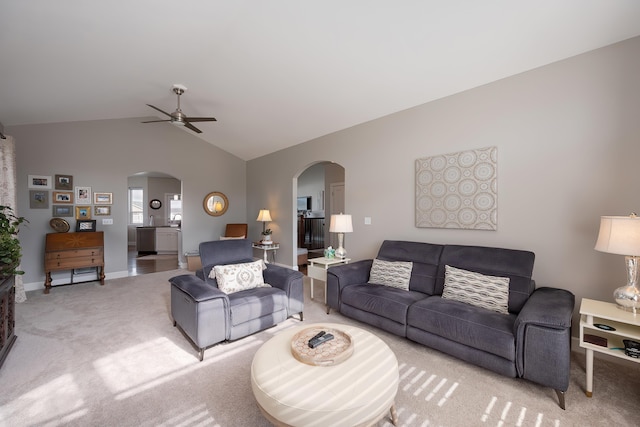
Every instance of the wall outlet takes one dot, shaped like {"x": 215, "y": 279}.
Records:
{"x": 367, "y": 220}
{"x": 107, "y": 221}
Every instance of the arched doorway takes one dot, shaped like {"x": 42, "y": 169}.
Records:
{"x": 316, "y": 198}
{"x": 154, "y": 217}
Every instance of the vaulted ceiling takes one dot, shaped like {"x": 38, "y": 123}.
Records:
{"x": 276, "y": 73}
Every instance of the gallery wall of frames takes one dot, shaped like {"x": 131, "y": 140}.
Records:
{"x": 65, "y": 200}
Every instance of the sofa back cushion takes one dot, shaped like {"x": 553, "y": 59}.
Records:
{"x": 221, "y": 252}
{"x": 517, "y": 265}
{"x": 425, "y": 258}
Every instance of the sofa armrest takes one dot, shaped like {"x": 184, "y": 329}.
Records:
{"x": 340, "y": 276}
{"x": 290, "y": 281}
{"x": 196, "y": 288}
{"x": 543, "y": 337}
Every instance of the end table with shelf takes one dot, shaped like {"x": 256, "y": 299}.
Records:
{"x": 273, "y": 248}
{"x": 623, "y": 324}
{"x": 317, "y": 269}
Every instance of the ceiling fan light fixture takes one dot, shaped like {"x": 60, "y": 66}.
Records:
{"x": 177, "y": 117}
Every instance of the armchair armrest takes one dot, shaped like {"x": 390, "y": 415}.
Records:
{"x": 543, "y": 337}
{"x": 197, "y": 288}
{"x": 290, "y": 281}
{"x": 340, "y": 276}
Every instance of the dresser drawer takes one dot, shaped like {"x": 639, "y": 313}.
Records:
{"x": 73, "y": 253}
{"x": 69, "y": 263}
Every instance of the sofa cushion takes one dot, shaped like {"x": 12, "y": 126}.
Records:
{"x": 238, "y": 277}
{"x": 396, "y": 274}
{"x": 517, "y": 265}
{"x": 255, "y": 303}
{"x": 477, "y": 289}
{"x": 424, "y": 256}
{"x": 466, "y": 324}
{"x": 383, "y": 301}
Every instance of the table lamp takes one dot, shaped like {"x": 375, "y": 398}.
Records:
{"x": 341, "y": 224}
{"x": 621, "y": 235}
{"x": 264, "y": 216}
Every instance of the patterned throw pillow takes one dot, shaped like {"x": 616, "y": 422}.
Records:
{"x": 396, "y": 274}
{"x": 488, "y": 292}
{"x": 239, "y": 277}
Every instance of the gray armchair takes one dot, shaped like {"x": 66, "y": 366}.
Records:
{"x": 209, "y": 316}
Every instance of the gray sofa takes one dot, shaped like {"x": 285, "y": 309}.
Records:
{"x": 532, "y": 341}
{"x": 209, "y": 316}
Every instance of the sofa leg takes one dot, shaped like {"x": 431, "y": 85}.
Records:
{"x": 561, "y": 398}
{"x": 301, "y": 317}
{"x": 201, "y": 354}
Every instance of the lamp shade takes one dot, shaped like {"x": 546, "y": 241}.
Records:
{"x": 264, "y": 215}
{"x": 619, "y": 235}
{"x": 340, "y": 224}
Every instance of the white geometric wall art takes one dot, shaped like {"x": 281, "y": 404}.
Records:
{"x": 458, "y": 190}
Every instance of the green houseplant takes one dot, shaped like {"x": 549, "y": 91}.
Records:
{"x": 10, "y": 250}
{"x": 266, "y": 235}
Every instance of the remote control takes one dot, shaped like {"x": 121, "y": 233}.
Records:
{"x": 323, "y": 339}
{"x": 318, "y": 335}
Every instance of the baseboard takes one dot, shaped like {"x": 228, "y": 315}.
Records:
{"x": 35, "y": 286}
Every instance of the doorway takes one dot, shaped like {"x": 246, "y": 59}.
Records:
{"x": 318, "y": 192}
{"x": 154, "y": 219}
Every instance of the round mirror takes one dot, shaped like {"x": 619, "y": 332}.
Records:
{"x": 155, "y": 204}
{"x": 216, "y": 203}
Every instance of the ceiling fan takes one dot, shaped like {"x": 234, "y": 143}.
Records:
{"x": 178, "y": 117}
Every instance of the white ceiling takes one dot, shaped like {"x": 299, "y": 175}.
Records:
{"x": 280, "y": 72}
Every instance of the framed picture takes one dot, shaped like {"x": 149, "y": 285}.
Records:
{"x": 40, "y": 181}
{"x": 64, "y": 182}
{"x": 102, "y": 210}
{"x": 38, "y": 199}
{"x": 86, "y": 225}
{"x": 63, "y": 197}
{"x": 62, "y": 211}
{"x": 83, "y": 212}
{"x": 83, "y": 195}
{"x": 102, "y": 198}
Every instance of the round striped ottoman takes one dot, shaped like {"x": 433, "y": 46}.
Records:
{"x": 358, "y": 391}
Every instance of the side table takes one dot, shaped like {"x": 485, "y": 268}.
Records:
{"x": 318, "y": 270}
{"x": 626, "y": 324}
{"x": 266, "y": 248}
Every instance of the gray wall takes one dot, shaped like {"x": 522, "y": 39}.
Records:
{"x": 568, "y": 146}
{"x": 102, "y": 155}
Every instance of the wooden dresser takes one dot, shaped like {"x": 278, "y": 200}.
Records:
{"x": 67, "y": 251}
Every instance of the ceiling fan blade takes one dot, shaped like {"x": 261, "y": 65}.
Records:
{"x": 156, "y": 108}
{"x": 157, "y": 121}
{"x": 192, "y": 127}
{"x": 202, "y": 119}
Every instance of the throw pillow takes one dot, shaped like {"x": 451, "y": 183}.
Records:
{"x": 239, "y": 277}
{"x": 396, "y": 274}
{"x": 477, "y": 289}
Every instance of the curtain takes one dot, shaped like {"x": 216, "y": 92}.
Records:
{"x": 8, "y": 187}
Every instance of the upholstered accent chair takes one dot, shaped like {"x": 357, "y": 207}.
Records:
{"x": 209, "y": 312}
{"x": 236, "y": 230}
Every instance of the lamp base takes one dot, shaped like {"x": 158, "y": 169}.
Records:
{"x": 628, "y": 298}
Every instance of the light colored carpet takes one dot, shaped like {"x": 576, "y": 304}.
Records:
{"x": 90, "y": 355}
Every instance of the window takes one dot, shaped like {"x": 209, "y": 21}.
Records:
{"x": 136, "y": 208}
{"x": 174, "y": 208}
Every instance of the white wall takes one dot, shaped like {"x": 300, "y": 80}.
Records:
{"x": 568, "y": 138}
{"x": 102, "y": 155}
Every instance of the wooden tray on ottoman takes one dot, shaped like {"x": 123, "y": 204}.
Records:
{"x": 339, "y": 349}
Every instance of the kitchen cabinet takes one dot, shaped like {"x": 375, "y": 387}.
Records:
{"x": 166, "y": 240}
{"x": 161, "y": 240}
